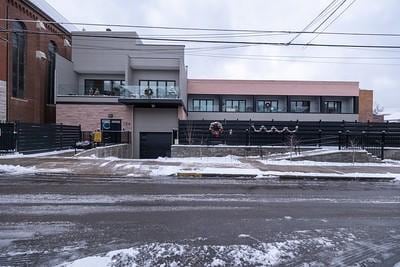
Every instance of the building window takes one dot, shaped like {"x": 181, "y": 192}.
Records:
{"x": 18, "y": 44}
{"x": 205, "y": 105}
{"x": 332, "y": 107}
{"x": 235, "y": 106}
{"x": 160, "y": 88}
{"x": 51, "y": 57}
{"x": 267, "y": 106}
{"x": 300, "y": 106}
{"x": 103, "y": 87}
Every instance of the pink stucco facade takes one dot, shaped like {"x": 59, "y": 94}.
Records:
{"x": 89, "y": 115}
{"x": 265, "y": 87}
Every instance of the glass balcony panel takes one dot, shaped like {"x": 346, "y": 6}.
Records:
{"x": 120, "y": 90}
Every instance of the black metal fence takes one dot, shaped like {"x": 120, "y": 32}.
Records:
{"x": 373, "y": 137}
{"x": 33, "y": 138}
{"x": 7, "y": 138}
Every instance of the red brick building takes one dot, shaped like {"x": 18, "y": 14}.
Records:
{"x": 27, "y": 62}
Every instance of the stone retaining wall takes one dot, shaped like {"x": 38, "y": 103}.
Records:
{"x": 122, "y": 151}
{"x": 184, "y": 151}
{"x": 392, "y": 153}
{"x": 359, "y": 156}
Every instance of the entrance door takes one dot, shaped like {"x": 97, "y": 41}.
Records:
{"x": 154, "y": 145}
{"x": 111, "y": 129}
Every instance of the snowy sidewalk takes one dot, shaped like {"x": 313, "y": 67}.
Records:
{"x": 229, "y": 166}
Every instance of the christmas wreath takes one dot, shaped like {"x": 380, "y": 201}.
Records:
{"x": 216, "y": 129}
{"x": 148, "y": 92}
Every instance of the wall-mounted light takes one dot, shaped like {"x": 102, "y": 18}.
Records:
{"x": 40, "y": 25}
{"x": 41, "y": 55}
{"x": 67, "y": 43}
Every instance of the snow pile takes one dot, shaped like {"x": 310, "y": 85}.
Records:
{"x": 171, "y": 254}
{"x": 214, "y": 160}
{"x": 42, "y": 154}
{"x": 319, "y": 163}
{"x": 17, "y": 170}
{"x": 20, "y": 170}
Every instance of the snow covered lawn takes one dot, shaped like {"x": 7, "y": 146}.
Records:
{"x": 174, "y": 255}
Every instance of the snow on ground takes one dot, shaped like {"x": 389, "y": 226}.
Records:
{"x": 172, "y": 254}
{"x": 318, "y": 163}
{"x": 43, "y": 154}
{"x": 19, "y": 170}
{"x": 216, "y": 160}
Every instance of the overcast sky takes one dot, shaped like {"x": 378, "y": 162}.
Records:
{"x": 252, "y": 62}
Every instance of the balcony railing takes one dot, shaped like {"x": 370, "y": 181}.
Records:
{"x": 123, "y": 91}
{"x": 140, "y": 92}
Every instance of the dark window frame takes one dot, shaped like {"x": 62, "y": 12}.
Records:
{"x": 158, "y": 91}
{"x": 300, "y": 103}
{"x": 264, "y": 101}
{"x": 337, "y": 107}
{"x": 200, "y": 100}
{"x": 18, "y": 58}
{"x": 51, "y": 59}
{"x": 235, "y": 100}
{"x": 102, "y": 91}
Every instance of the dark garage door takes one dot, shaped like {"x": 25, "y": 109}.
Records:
{"x": 154, "y": 145}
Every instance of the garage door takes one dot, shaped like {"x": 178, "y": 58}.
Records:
{"x": 154, "y": 145}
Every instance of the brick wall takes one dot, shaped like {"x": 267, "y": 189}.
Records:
{"x": 366, "y": 102}
{"x": 89, "y": 116}
{"x": 33, "y": 107}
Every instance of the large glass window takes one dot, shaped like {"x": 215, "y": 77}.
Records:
{"x": 332, "y": 107}
{"x": 103, "y": 87}
{"x": 18, "y": 44}
{"x": 235, "y": 106}
{"x": 205, "y": 105}
{"x": 160, "y": 88}
{"x": 267, "y": 106}
{"x": 300, "y": 106}
{"x": 51, "y": 58}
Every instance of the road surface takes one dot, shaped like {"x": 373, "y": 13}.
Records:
{"x": 48, "y": 220}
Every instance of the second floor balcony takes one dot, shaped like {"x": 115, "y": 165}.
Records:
{"x": 118, "y": 90}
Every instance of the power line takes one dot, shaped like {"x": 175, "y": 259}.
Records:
{"x": 333, "y": 21}
{"x": 330, "y": 15}
{"x": 314, "y": 20}
{"x": 211, "y": 29}
{"x": 302, "y": 61}
{"x": 223, "y": 42}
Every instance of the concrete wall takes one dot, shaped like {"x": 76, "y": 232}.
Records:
{"x": 123, "y": 151}
{"x": 3, "y": 100}
{"x": 137, "y": 75}
{"x": 359, "y": 156}
{"x": 89, "y": 115}
{"x": 184, "y": 151}
{"x": 152, "y": 120}
{"x": 110, "y": 57}
{"x": 392, "y": 153}
{"x": 66, "y": 78}
{"x": 271, "y": 116}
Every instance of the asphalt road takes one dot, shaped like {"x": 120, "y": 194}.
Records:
{"x": 48, "y": 220}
